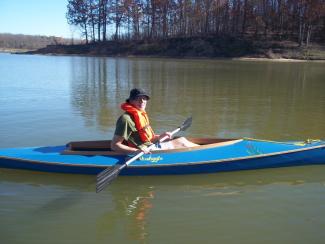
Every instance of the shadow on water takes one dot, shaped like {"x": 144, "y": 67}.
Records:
{"x": 59, "y": 191}
{"x": 287, "y": 175}
{"x": 71, "y": 188}
{"x": 86, "y": 183}
{"x": 126, "y": 206}
{"x": 59, "y": 203}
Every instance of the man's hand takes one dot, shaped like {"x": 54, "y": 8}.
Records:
{"x": 166, "y": 134}
{"x": 145, "y": 150}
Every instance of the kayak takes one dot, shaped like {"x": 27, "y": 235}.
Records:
{"x": 210, "y": 156}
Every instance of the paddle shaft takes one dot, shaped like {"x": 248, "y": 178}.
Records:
{"x": 109, "y": 174}
{"x": 131, "y": 160}
{"x": 150, "y": 147}
{"x": 102, "y": 177}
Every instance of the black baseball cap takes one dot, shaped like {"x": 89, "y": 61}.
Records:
{"x": 137, "y": 92}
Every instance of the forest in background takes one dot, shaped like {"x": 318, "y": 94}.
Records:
{"x": 291, "y": 29}
{"x": 30, "y": 42}
{"x": 302, "y": 21}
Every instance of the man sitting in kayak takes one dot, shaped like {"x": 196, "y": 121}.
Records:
{"x": 133, "y": 132}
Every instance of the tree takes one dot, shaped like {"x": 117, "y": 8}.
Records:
{"x": 78, "y": 14}
{"x": 118, "y": 12}
{"x": 301, "y": 20}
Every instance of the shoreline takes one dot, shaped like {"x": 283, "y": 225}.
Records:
{"x": 283, "y": 52}
{"x": 280, "y": 60}
{"x": 211, "y": 48}
{"x": 245, "y": 59}
{"x": 14, "y": 50}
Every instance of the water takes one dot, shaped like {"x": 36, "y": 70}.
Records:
{"x": 48, "y": 100}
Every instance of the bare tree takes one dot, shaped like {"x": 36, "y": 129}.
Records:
{"x": 301, "y": 20}
{"x": 78, "y": 14}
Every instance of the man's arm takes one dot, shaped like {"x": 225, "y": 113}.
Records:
{"x": 158, "y": 137}
{"x": 118, "y": 146}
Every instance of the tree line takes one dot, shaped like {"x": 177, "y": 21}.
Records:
{"x": 99, "y": 20}
{"x": 19, "y": 41}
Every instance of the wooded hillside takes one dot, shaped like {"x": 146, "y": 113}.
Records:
{"x": 301, "y": 21}
{"x": 12, "y": 41}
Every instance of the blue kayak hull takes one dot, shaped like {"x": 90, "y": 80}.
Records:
{"x": 242, "y": 155}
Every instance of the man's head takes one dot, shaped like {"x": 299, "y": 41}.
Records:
{"x": 138, "y": 98}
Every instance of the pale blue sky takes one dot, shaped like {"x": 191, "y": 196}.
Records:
{"x": 35, "y": 17}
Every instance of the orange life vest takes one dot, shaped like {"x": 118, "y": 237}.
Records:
{"x": 141, "y": 121}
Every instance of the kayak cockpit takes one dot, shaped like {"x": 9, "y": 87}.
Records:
{"x": 103, "y": 147}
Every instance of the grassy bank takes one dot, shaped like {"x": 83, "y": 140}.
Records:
{"x": 209, "y": 47}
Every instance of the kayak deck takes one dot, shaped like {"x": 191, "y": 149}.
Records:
{"x": 96, "y": 154}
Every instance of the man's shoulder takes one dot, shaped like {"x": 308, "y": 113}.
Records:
{"x": 124, "y": 124}
{"x": 125, "y": 118}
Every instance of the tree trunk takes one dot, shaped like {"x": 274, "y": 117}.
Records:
{"x": 165, "y": 30}
{"x": 99, "y": 26}
{"x": 301, "y": 33}
{"x": 244, "y": 17}
{"x": 153, "y": 19}
{"x": 93, "y": 27}
{"x": 309, "y": 29}
{"x": 116, "y": 30}
{"x": 86, "y": 33}
{"x": 104, "y": 21}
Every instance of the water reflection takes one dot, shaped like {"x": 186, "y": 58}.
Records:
{"x": 126, "y": 209}
{"x": 89, "y": 89}
{"x": 131, "y": 209}
{"x": 144, "y": 187}
{"x": 226, "y": 98}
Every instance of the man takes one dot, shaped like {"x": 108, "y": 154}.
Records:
{"x": 133, "y": 132}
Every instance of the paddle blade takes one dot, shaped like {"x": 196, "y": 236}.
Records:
{"x": 107, "y": 176}
{"x": 187, "y": 123}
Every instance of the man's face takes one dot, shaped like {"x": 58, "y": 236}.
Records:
{"x": 140, "y": 102}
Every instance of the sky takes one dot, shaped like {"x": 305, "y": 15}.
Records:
{"x": 36, "y": 17}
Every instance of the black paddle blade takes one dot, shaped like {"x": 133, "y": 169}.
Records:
{"x": 107, "y": 176}
{"x": 187, "y": 123}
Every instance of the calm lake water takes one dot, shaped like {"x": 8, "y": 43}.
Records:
{"x": 49, "y": 100}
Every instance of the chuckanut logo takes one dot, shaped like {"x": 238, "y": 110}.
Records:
{"x": 151, "y": 159}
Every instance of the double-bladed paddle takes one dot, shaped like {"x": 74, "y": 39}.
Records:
{"x": 108, "y": 175}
